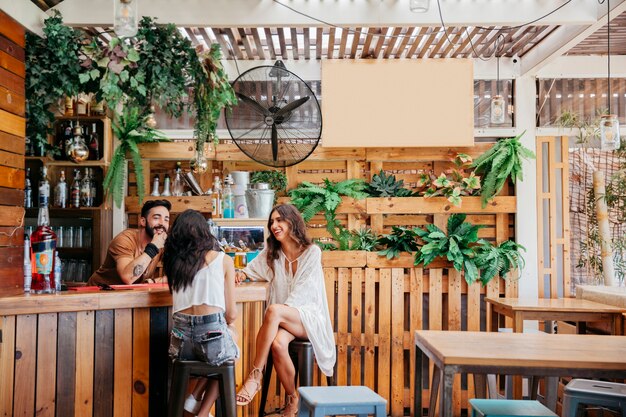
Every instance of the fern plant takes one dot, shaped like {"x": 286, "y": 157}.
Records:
{"x": 363, "y": 239}
{"x": 456, "y": 245}
{"x": 498, "y": 260}
{"x": 502, "y": 161}
{"x": 130, "y": 128}
{"x": 311, "y": 199}
{"x": 401, "y": 239}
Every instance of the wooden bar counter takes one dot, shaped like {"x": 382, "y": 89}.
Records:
{"x": 99, "y": 353}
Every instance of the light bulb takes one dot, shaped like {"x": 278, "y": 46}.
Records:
{"x": 199, "y": 164}
{"x": 609, "y": 132}
{"x": 497, "y": 110}
{"x": 125, "y": 17}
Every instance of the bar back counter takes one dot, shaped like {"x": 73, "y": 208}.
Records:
{"x": 99, "y": 353}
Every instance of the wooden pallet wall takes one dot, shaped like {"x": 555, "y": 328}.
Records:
{"x": 12, "y": 134}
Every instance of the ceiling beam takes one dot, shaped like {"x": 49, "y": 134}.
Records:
{"x": 25, "y": 13}
{"x": 362, "y": 13}
{"x": 565, "y": 38}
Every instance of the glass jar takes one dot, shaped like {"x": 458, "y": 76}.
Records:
{"x": 609, "y": 132}
{"x": 76, "y": 149}
{"x": 497, "y": 110}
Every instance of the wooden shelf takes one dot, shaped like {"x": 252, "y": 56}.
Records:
{"x": 240, "y": 222}
{"x": 54, "y": 162}
{"x": 202, "y": 203}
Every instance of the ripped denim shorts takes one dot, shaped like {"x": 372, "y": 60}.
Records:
{"x": 202, "y": 338}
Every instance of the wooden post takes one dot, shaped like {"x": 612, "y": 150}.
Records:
{"x": 604, "y": 231}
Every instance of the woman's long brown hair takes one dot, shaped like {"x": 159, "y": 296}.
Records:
{"x": 297, "y": 232}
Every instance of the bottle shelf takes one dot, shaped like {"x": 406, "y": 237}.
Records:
{"x": 54, "y": 162}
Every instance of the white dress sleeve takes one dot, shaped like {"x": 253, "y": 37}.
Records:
{"x": 258, "y": 270}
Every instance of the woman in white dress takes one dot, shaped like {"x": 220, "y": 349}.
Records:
{"x": 297, "y": 305}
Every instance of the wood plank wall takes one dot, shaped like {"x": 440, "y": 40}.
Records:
{"x": 12, "y": 134}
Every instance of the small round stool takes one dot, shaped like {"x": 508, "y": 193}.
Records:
{"x": 301, "y": 353}
{"x": 225, "y": 374}
{"x": 336, "y": 401}
{"x": 509, "y": 408}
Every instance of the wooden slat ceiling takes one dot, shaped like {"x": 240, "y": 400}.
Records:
{"x": 383, "y": 42}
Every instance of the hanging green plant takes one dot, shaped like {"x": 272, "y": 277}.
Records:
{"x": 131, "y": 130}
{"x": 52, "y": 72}
{"x": 212, "y": 93}
{"x": 502, "y": 161}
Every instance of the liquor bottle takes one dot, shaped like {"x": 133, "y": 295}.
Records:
{"x": 60, "y": 192}
{"x": 228, "y": 199}
{"x": 75, "y": 190}
{"x": 94, "y": 145}
{"x": 57, "y": 272}
{"x": 93, "y": 190}
{"x": 43, "y": 243}
{"x": 85, "y": 190}
{"x": 155, "y": 186}
{"x": 28, "y": 271}
{"x": 177, "y": 186}
{"x": 44, "y": 188}
{"x": 28, "y": 191}
{"x": 217, "y": 196}
{"x": 30, "y": 149}
{"x": 166, "y": 186}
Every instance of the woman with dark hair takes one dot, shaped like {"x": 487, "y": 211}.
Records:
{"x": 202, "y": 283}
{"x": 297, "y": 305}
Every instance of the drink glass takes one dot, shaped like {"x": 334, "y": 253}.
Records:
{"x": 78, "y": 237}
{"x": 68, "y": 238}
{"x": 241, "y": 260}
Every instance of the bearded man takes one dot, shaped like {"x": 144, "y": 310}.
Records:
{"x": 133, "y": 255}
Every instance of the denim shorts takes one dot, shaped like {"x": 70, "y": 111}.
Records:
{"x": 202, "y": 338}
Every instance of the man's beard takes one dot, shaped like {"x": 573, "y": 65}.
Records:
{"x": 150, "y": 230}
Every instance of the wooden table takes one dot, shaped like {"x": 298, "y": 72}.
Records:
{"x": 531, "y": 354}
{"x": 570, "y": 309}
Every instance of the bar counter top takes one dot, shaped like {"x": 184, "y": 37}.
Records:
{"x": 152, "y": 295}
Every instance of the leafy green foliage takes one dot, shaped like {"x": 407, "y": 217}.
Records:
{"x": 212, "y": 93}
{"x": 275, "y": 178}
{"x": 311, "y": 199}
{"x": 456, "y": 245}
{"x": 131, "y": 130}
{"x": 497, "y": 260}
{"x": 401, "y": 239}
{"x": 452, "y": 183}
{"x": 52, "y": 71}
{"x": 363, "y": 239}
{"x": 383, "y": 185}
{"x": 502, "y": 161}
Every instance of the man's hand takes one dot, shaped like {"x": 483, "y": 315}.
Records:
{"x": 239, "y": 277}
{"x": 159, "y": 238}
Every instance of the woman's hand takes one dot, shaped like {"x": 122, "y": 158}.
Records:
{"x": 240, "y": 277}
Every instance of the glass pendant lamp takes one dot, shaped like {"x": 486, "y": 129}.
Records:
{"x": 125, "y": 16}
{"x": 609, "y": 123}
{"x": 419, "y": 6}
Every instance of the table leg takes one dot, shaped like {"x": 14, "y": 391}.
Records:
{"x": 417, "y": 383}
{"x": 445, "y": 401}
{"x": 581, "y": 327}
{"x": 480, "y": 381}
{"x": 552, "y": 384}
{"x": 434, "y": 391}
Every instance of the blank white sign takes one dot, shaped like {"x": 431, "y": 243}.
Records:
{"x": 399, "y": 103}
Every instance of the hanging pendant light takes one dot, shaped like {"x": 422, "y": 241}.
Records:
{"x": 497, "y": 102}
{"x": 609, "y": 123}
{"x": 125, "y": 18}
{"x": 419, "y": 6}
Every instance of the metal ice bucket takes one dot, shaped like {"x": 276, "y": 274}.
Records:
{"x": 260, "y": 200}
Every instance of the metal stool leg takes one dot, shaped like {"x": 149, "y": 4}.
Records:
{"x": 267, "y": 376}
{"x": 180, "y": 381}
{"x": 227, "y": 392}
{"x": 305, "y": 364}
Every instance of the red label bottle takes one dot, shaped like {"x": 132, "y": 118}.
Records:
{"x": 43, "y": 244}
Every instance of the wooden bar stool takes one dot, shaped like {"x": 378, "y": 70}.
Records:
{"x": 345, "y": 400}
{"x": 301, "y": 353}
{"x": 225, "y": 374}
{"x": 509, "y": 408}
{"x": 581, "y": 392}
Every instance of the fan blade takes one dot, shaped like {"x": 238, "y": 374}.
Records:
{"x": 274, "y": 143}
{"x": 254, "y": 104}
{"x": 291, "y": 106}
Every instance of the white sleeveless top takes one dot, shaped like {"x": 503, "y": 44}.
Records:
{"x": 207, "y": 287}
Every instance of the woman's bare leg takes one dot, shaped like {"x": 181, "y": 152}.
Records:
{"x": 199, "y": 389}
{"x": 210, "y": 395}
{"x": 277, "y": 316}
{"x": 282, "y": 361}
